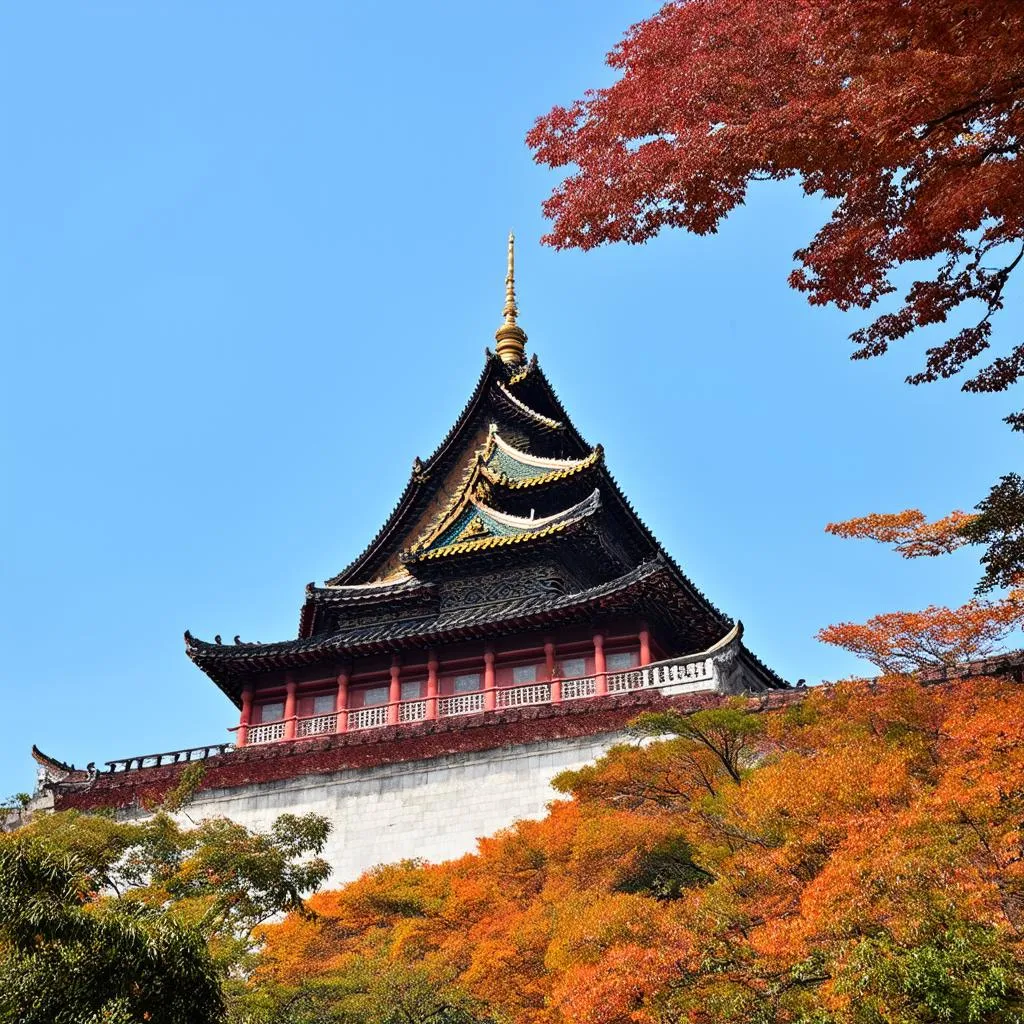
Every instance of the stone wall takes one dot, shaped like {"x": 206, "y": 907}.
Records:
{"x": 433, "y": 809}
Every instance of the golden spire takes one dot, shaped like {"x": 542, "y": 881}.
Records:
{"x": 511, "y": 338}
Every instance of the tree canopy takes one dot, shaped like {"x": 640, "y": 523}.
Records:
{"x": 907, "y": 115}
{"x": 123, "y": 922}
{"x": 854, "y": 859}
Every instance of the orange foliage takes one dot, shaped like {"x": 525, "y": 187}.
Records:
{"x": 909, "y": 531}
{"x": 906, "y": 641}
{"x": 937, "y": 636}
{"x": 869, "y": 822}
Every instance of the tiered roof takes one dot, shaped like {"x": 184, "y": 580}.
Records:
{"x": 514, "y": 522}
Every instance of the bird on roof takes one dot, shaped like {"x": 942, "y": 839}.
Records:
{"x": 217, "y": 639}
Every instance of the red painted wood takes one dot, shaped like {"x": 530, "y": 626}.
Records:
{"x": 599, "y": 665}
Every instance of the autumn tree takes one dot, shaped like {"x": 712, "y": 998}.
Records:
{"x": 938, "y": 636}
{"x": 907, "y": 116}
{"x": 855, "y": 858}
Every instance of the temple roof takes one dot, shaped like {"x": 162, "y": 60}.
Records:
{"x": 513, "y": 486}
{"x": 653, "y": 582}
{"x": 489, "y": 401}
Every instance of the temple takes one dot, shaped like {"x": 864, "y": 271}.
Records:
{"x": 512, "y": 602}
{"x": 512, "y": 572}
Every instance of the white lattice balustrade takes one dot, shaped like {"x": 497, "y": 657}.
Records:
{"x": 269, "y": 733}
{"x": 368, "y": 718}
{"x": 574, "y": 689}
{"x": 519, "y": 696}
{"x": 673, "y": 676}
{"x": 460, "y": 704}
{"x": 690, "y": 672}
{"x": 316, "y": 726}
{"x": 621, "y": 682}
{"x": 412, "y": 711}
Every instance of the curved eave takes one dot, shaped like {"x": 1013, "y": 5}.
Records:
{"x": 578, "y": 467}
{"x": 227, "y": 664}
{"x": 393, "y": 594}
{"x": 537, "y": 373}
{"x": 518, "y": 408}
{"x": 529, "y": 530}
{"x": 626, "y": 506}
{"x": 408, "y": 589}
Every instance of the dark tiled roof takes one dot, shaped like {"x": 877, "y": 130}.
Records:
{"x": 469, "y": 525}
{"x": 402, "y": 588}
{"x": 495, "y": 372}
{"x": 226, "y": 663}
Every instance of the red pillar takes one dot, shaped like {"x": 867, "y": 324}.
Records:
{"x": 645, "y": 644}
{"x": 490, "y": 694}
{"x": 599, "y": 664}
{"x": 549, "y": 664}
{"x": 243, "y": 722}
{"x": 432, "y": 667}
{"x": 289, "y": 709}
{"x": 341, "y": 705}
{"x": 395, "y": 692}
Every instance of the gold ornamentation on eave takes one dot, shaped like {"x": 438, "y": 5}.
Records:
{"x": 475, "y": 528}
{"x": 518, "y": 403}
{"x": 486, "y": 543}
{"x": 553, "y": 476}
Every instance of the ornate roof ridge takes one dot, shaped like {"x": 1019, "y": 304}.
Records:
{"x": 360, "y": 592}
{"x": 529, "y": 459}
{"x": 553, "y": 524}
{"x": 46, "y": 761}
{"x": 532, "y": 414}
{"x": 477, "y": 469}
{"x": 460, "y": 500}
{"x": 590, "y": 503}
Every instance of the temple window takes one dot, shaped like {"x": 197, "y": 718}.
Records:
{"x": 412, "y": 690}
{"x": 272, "y": 712}
{"x": 622, "y": 661}
{"x": 375, "y": 695}
{"x": 468, "y": 683}
{"x": 525, "y": 674}
{"x": 574, "y": 668}
{"x": 322, "y": 704}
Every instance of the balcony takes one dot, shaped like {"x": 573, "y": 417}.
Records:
{"x": 677, "y": 675}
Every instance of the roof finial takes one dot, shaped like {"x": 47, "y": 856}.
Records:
{"x": 511, "y": 338}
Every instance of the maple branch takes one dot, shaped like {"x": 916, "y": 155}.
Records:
{"x": 930, "y": 126}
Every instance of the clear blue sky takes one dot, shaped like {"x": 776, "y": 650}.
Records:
{"x": 251, "y": 256}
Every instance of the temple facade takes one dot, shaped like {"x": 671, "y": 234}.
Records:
{"x": 508, "y": 619}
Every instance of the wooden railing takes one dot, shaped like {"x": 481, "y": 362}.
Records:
{"x": 688, "y": 673}
{"x": 127, "y": 764}
{"x": 695, "y": 672}
{"x": 675, "y": 675}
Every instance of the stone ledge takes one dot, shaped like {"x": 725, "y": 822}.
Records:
{"x": 508, "y": 727}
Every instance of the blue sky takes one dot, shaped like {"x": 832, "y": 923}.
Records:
{"x": 252, "y": 254}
